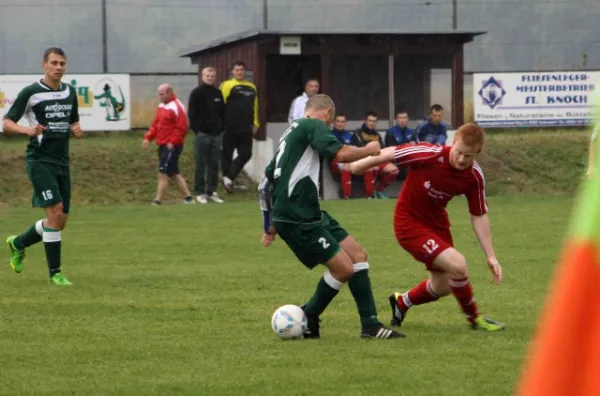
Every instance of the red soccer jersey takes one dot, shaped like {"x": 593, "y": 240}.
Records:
{"x": 432, "y": 182}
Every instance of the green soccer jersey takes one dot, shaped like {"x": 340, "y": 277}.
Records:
{"x": 54, "y": 109}
{"x": 294, "y": 171}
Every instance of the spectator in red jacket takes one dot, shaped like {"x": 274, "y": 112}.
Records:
{"x": 169, "y": 128}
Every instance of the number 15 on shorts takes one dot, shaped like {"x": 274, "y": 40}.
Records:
{"x": 430, "y": 246}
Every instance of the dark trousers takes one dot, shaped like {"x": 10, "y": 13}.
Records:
{"x": 207, "y": 150}
{"x": 240, "y": 140}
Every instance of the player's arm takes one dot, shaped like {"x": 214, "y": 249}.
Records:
{"x": 402, "y": 155}
{"x": 481, "y": 223}
{"x": 16, "y": 111}
{"x": 265, "y": 194}
{"x": 256, "y": 116}
{"x": 75, "y": 126}
{"x": 322, "y": 140}
{"x": 226, "y": 90}
{"x": 152, "y": 131}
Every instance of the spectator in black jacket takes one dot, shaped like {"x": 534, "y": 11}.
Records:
{"x": 206, "y": 111}
{"x": 386, "y": 172}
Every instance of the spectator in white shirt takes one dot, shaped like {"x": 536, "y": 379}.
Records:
{"x": 311, "y": 87}
{"x": 592, "y": 156}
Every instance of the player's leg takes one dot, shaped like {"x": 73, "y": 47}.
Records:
{"x": 425, "y": 246}
{"x": 227, "y": 159}
{"x": 359, "y": 283}
{"x": 454, "y": 264}
{"x": 313, "y": 245}
{"x": 213, "y": 168}
{"x": 370, "y": 176}
{"x": 18, "y": 243}
{"x": 362, "y": 292}
{"x": 163, "y": 179}
{"x": 201, "y": 154}
{"x": 173, "y": 172}
{"x": 244, "y": 141}
{"x": 388, "y": 174}
{"x": 345, "y": 178}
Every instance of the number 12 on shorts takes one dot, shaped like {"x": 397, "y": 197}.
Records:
{"x": 430, "y": 246}
{"x": 47, "y": 195}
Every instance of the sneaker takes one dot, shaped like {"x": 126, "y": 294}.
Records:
{"x": 59, "y": 279}
{"x": 189, "y": 200}
{"x": 201, "y": 199}
{"x": 380, "y": 332}
{"x": 312, "y": 326}
{"x": 215, "y": 198}
{"x": 486, "y": 324}
{"x": 16, "y": 256}
{"x": 398, "y": 316}
{"x": 155, "y": 203}
{"x": 381, "y": 195}
{"x": 228, "y": 185}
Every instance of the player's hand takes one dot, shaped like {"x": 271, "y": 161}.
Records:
{"x": 146, "y": 143}
{"x": 35, "y": 130}
{"x": 374, "y": 148}
{"x": 170, "y": 146}
{"x": 254, "y": 130}
{"x": 269, "y": 237}
{"x": 76, "y": 129}
{"x": 496, "y": 270}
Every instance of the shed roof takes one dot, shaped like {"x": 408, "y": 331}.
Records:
{"x": 254, "y": 33}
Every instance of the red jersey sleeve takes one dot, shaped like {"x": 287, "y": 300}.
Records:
{"x": 181, "y": 124}
{"x": 476, "y": 195}
{"x": 407, "y": 154}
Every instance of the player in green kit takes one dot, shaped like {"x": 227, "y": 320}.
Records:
{"x": 289, "y": 196}
{"x": 50, "y": 108}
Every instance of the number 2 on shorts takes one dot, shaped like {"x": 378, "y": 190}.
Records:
{"x": 324, "y": 243}
{"x": 47, "y": 195}
{"x": 430, "y": 246}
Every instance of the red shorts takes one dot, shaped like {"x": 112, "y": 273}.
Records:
{"x": 423, "y": 243}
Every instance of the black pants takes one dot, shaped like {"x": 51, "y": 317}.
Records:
{"x": 207, "y": 154}
{"x": 240, "y": 140}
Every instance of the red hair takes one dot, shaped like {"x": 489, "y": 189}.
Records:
{"x": 471, "y": 135}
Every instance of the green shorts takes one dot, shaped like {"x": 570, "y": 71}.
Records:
{"x": 51, "y": 184}
{"x": 314, "y": 243}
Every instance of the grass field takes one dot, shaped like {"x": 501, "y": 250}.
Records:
{"x": 177, "y": 300}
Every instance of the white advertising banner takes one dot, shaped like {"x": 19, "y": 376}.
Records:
{"x": 534, "y": 99}
{"x": 104, "y": 99}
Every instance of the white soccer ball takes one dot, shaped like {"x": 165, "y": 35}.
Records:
{"x": 289, "y": 321}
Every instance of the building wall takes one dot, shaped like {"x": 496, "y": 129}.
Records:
{"x": 148, "y": 35}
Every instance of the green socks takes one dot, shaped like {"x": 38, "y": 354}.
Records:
{"x": 327, "y": 289}
{"x": 360, "y": 287}
{"x": 30, "y": 237}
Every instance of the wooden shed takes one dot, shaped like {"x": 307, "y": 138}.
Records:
{"x": 361, "y": 71}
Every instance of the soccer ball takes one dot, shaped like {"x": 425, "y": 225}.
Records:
{"x": 289, "y": 321}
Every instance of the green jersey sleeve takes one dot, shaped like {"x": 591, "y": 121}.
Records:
{"x": 269, "y": 171}
{"x": 18, "y": 108}
{"x": 322, "y": 140}
{"x": 75, "y": 108}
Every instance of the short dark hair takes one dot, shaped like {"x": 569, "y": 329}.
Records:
{"x": 53, "y": 50}
{"x": 401, "y": 111}
{"x": 436, "y": 107}
{"x": 340, "y": 115}
{"x": 238, "y": 63}
{"x": 370, "y": 114}
{"x": 311, "y": 79}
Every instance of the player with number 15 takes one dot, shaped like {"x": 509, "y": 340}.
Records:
{"x": 50, "y": 108}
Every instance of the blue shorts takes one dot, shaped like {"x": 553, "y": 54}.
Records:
{"x": 168, "y": 160}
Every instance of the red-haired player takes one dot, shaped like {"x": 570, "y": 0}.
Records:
{"x": 437, "y": 174}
